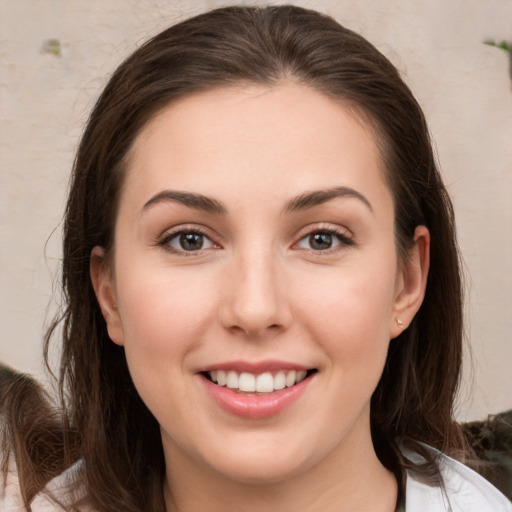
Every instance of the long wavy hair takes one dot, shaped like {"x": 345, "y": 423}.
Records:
{"x": 103, "y": 421}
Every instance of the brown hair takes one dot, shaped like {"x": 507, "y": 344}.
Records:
{"x": 117, "y": 438}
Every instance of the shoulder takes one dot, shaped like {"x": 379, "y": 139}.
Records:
{"x": 56, "y": 496}
{"x": 464, "y": 490}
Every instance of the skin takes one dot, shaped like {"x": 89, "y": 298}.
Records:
{"x": 259, "y": 290}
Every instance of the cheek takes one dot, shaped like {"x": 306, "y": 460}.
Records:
{"x": 162, "y": 306}
{"x": 348, "y": 311}
{"x": 164, "y": 316}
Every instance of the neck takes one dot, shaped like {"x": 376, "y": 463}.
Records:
{"x": 350, "y": 478}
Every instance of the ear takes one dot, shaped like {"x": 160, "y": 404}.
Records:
{"x": 103, "y": 284}
{"x": 411, "y": 283}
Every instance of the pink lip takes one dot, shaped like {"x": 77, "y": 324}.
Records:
{"x": 255, "y": 407}
{"x": 255, "y": 367}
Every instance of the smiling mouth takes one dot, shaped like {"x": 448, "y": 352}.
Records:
{"x": 263, "y": 383}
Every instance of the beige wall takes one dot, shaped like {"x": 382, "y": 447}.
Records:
{"x": 463, "y": 85}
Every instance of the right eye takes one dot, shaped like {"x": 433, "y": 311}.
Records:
{"x": 187, "y": 241}
{"x": 320, "y": 241}
{"x": 325, "y": 240}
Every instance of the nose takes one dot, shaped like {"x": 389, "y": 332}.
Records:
{"x": 255, "y": 302}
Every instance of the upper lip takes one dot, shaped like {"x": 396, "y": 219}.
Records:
{"x": 254, "y": 367}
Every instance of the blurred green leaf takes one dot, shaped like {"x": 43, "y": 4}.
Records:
{"x": 502, "y": 46}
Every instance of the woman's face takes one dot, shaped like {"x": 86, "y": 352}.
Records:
{"x": 254, "y": 247}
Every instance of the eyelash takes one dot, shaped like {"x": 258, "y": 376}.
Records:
{"x": 168, "y": 237}
{"x": 341, "y": 236}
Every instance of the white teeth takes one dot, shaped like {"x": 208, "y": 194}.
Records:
{"x": 290, "y": 378}
{"x": 232, "y": 380}
{"x": 262, "y": 383}
{"x": 221, "y": 378}
{"x": 265, "y": 383}
{"x": 280, "y": 380}
{"x": 247, "y": 382}
{"x": 301, "y": 376}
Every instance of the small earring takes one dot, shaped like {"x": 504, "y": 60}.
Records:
{"x": 399, "y": 322}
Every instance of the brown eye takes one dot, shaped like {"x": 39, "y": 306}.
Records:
{"x": 323, "y": 240}
{"x": 320, "y": 241}
{"x": 188, "y": 241}
{"x": 191, "y": 241}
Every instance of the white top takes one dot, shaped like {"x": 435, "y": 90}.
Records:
{"x": 465, "y": 491}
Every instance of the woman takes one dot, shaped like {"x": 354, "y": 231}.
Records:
{"x": 262, "y": 284}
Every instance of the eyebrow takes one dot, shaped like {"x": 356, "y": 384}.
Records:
{"x": 189, "y": 199}
{"x": 210, "y": 205}
{"x": 318, "y": 197}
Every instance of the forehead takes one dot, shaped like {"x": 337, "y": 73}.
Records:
{"x": 274, "y": 139}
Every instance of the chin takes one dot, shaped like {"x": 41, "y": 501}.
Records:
{"x": 262, "y": 465}
{"x": 261, "y": 472}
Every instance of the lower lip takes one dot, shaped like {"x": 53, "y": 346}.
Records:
{"x": 255, "y": 407}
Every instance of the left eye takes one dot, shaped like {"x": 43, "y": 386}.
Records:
{"x": 321, "y": 241}
{"x": 189, "y": 241}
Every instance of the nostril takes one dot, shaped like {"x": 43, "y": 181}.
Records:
{"x": 236, "y": 328}
{"x": 272, "y": 328}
